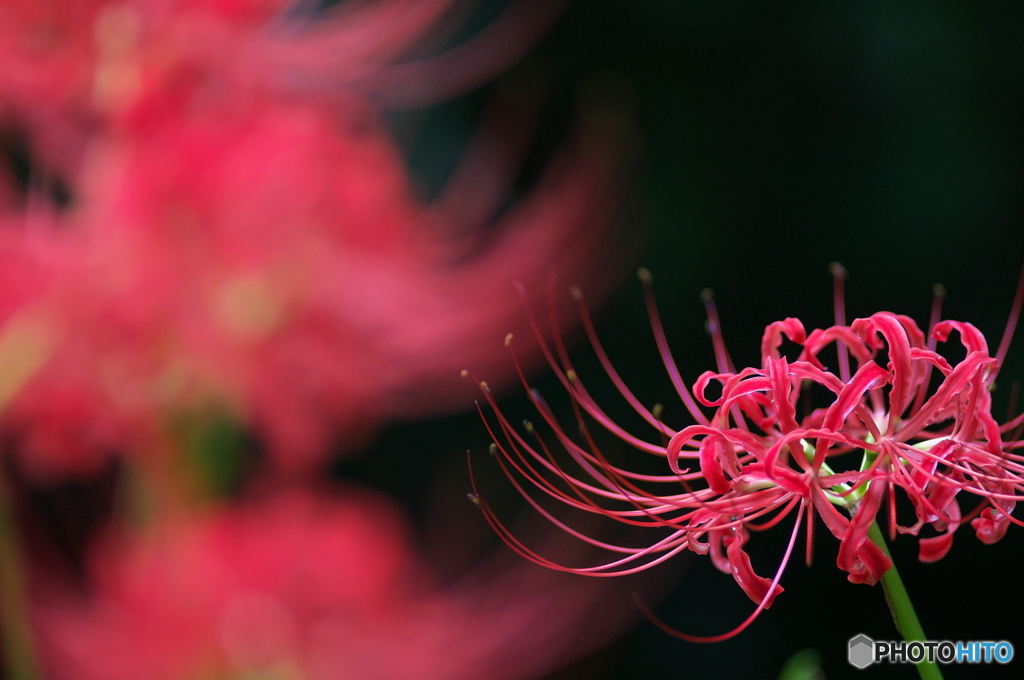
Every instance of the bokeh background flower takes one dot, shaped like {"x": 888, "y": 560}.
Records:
{"x": 221, "y": 277}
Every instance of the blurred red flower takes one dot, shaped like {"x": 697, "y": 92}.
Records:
{"x": 205, "y": 214}
{"x": 318, "y": 586}
{"x": 243, "y": 234}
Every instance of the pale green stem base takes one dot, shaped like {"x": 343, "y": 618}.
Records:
{"x": 903, "y": 614}
{"x": 19, "y": 660}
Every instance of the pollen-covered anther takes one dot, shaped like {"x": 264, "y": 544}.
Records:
{"x": 508, "y": 340}
{"x": 576, "y": 292}
{"x": 644, "y": 274}
{"x": 485, "y": 387}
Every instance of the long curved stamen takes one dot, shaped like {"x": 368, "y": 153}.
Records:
{"x": 606, "y": 363}
{"x": 749, "y": 620}
{"x": 666, "y": 355}
{"x": 839, "y": 311}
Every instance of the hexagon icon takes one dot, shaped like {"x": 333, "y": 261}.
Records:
{"x": 862, "y": 651}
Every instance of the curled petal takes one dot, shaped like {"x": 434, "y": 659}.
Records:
{"x": 757, "y": 588}
{"x": 781, "y": 387}
{"x": 740, "y": 439}
{"x": 735, "y": 390}
{"x": 895, "y": 334}
{"x": 991, "y": 526}
{"x": 825, "y": 438}
{"x": 755, "y": 477}
{"x": 790, "y": 327}
{"x": 806, "y": 370}
{"x": 935, "y": 548}
{"x": 701, "y": 385}
{"x": 970, "y": 336}
{"x": 819, "y": 338}
{"x": 712, "y": 450}
{"x": 867, "y": 377}
{"x": 937, "y": 360}
{"x": 728, "y": 380}
{"x": 860, "y": 523}
{"x": 955, "y": 382}
{"x": 864, "y": 561}
{"x": 871, "y": 564}
{"x": 715, "y": 548}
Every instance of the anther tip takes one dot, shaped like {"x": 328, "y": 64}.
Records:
{"x": 644, "y": 274}
{"x": 576, "y": 292}
{"x": 837, "y": 269}
{"x": 938, "y": 290}
{"x": 474, "y": 499}
{"x": 508, "y": 339}
{"x": 485, "y": 387}
{"x": 707, "y": 295}
{"x": 571, "y": 375}
{"x": 464, "y": 373}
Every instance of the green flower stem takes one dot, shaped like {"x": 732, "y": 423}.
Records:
{"x": 16, "y": 640}
{"x": 903, "y": 614}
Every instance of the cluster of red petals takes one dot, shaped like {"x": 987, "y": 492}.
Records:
{"x": 793, "y": 437}
{"x": 313, "y": 585}
{"x": 238, "y": 229}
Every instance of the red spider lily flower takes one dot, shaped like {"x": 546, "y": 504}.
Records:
{"x": 872, "y": 428}
{"x": 310, "y": 585}
{"x": 238, "y": 238}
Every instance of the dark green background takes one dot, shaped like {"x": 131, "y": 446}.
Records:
{"x": 776, "y": 138}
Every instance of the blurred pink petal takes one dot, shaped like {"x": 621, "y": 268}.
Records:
{"x": 312, "y": 585}
{"x": 236, "y": 239}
